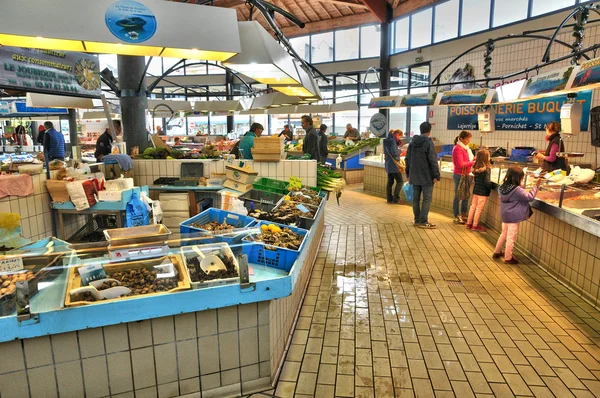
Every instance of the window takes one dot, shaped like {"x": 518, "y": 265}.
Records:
{"x": 398, "y": 119}
{"x": 446, "y": 21}
{"x": 109, "y": 61}
{"x": 401, "y": 35}
{"x": 346, "y": 44}
{"x": 196, "y": 68}
{"x": 322, "y": 47}
{"x": 365, "y": 119}
{"x": 342, "y": 119}
{"x": 371, "y": 88}
{"x": 302, "y": 46}
{"x": 215, "y": 70}
{"x": 420, "y": 32}
{"x": 370, "y": 41}
{"x": 545, "y": 6}
{"x": 170, "y": 62}
{"x": 475, "y": 16}
{"x": 197, "y": 124}
{"x": 155, "y": 67}
{"x": 508, "y": 11}
{"x": 346, "y": 87}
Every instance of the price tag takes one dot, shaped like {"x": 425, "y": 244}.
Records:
{"x": 91, "y": 273}
{"x": 295, "y": 183}
{"x": 10, "y": 265}
{"x": 302, "y": 208}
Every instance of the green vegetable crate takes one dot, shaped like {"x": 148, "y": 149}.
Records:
{"x": 271, "y": 185}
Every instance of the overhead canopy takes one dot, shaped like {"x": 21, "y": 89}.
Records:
{"x": 262, "y": 58}
{"x": 57, "y": 101}
{"x": 343, "y": 106}
{"x": 98, "y": 115}
{"x": 141, "y": 27}
{"x": 273, "y": 100}
{"x": 218, "y": 106}
{"x": 176, "y": 106}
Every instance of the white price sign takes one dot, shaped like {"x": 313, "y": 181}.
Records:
{"x": 11, "y": 264}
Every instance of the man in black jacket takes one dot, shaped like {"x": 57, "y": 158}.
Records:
{"x": 323, "y": 151}
{"x": 311, "y": 141}
{"x": 422, "y": 172}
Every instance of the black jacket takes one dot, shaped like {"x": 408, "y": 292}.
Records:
{"x": 311, "y": 144}
{"x": 483, "y": 185}
{"x": 103, "y": 145}
{"x": 559, "y": 163}
{"x": 421, "y": 161}
{"x": 323, "y": 152}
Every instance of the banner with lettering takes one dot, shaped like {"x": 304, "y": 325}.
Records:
{"x": 521, "y": 116}
{"x": 47, "y": 71}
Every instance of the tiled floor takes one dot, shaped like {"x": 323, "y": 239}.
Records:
{"x": 396, "y": 311}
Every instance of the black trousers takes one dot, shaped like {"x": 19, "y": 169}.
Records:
{"x": 397, "y": 178}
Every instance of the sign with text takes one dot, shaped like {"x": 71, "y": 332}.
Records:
{"x": 48, "y": 71}
{"x": 21, "y": 107}
{"x": 532, "y": 115}
{"x": 11, "y": 264}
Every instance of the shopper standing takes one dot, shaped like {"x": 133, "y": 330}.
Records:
{"x": 247, "y": 141}
{"x": 422, "y": 172}
{"x": 311, "y": 140}
{"x": 462, "y": 157}
{"x": 392, "y": 158}
{"x": 54, "y": 143}
{"x": 481, "y": 190}
{"x": 555, "y": 145}
{"x": 323, "y": 151}
{"x": 514, "y": 208}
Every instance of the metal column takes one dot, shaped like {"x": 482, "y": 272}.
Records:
{"x": 133, "y": 102}
{"x": 384, "y": 55}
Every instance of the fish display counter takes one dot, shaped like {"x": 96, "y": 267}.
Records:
{"x": 190, "y": 311}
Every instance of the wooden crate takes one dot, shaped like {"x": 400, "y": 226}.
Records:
{"x": 74, "y": 281}
{"x": 261, "y": 156}
{"x": 269, "y": 144}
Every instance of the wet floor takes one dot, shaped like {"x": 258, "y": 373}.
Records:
{"x": 395, "y": 311}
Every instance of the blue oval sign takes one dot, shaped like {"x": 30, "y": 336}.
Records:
{"x": 130, "y": 21}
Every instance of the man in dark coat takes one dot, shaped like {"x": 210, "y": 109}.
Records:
{"x": 104, "y": 142}
{"x": 422, "y": 171}
{"x": 311, "y": 141}
{"x": 323, "y": 142}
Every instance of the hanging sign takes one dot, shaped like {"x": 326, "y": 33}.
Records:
{"x": 130, "y": 21}
{"x": 425, "y": 99}
{"x": 378, "y": 125}
{"x": 549, "y": 82}
{"x": 532, "y": 115}
{"x": 4, "y": 107}
{"x": 588, "y": 74}
{"x": 384, "y": 102}
{"x": 20, "y": 107}
{"x": 47, "y": 71}
{"x": 475, "y": 96}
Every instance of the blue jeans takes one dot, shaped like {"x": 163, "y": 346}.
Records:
{"x": 465, "y": 203}
{"x": 421, "y": 211}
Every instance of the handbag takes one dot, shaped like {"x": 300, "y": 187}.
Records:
{"x": 465, "y": 186}
{"x": 400, "y": 163}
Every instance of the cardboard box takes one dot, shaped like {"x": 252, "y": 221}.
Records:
{"x": 58, "y": 190}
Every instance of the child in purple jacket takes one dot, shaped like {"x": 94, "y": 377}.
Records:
{"x": 514, "y": 208}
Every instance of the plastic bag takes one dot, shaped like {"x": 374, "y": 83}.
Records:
{"x": 153, "y": 206}
{"x": 237, "y": 206}
{"x": 408, "y": 191}
{"x": 136, "y": 212}
{"x": 82, "y": 194}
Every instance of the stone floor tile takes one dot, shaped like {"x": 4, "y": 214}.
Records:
{"x": 344, "y": 386}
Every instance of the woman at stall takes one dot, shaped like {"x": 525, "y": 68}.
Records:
{"x": 462, "y": 158}
{"x": 555, "y": 145}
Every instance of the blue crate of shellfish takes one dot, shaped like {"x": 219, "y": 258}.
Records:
{"x": 274, "y": 256}
{"x": 192, "y": 227}
{"x": 522, "y": 155}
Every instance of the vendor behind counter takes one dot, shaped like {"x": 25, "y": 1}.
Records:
{"x": 104, "y": 142}
{"x": 555, "y": 145}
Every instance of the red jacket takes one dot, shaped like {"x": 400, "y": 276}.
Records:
{"x": 460, "y": 158}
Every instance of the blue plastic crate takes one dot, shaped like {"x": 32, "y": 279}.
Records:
{"x": 216, "y": 215}
{"x": 274, "y": 256}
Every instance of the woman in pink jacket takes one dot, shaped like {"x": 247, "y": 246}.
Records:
{"x": 462, "y": 157}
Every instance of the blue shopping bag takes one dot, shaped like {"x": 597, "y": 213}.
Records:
{"x": 408, "y": 191}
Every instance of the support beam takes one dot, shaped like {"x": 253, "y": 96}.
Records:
{"x": 406, "y": 7}
{"x": 346, "y": 3}
{"x": 337, "y": 23}
{"x": 379, "y": 8}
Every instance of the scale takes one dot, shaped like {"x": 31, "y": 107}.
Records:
{"x": 137, "y": 252}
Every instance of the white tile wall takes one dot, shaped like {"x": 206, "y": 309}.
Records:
{"x": 508, "y": 59}
{"x": 146, "y": 171}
